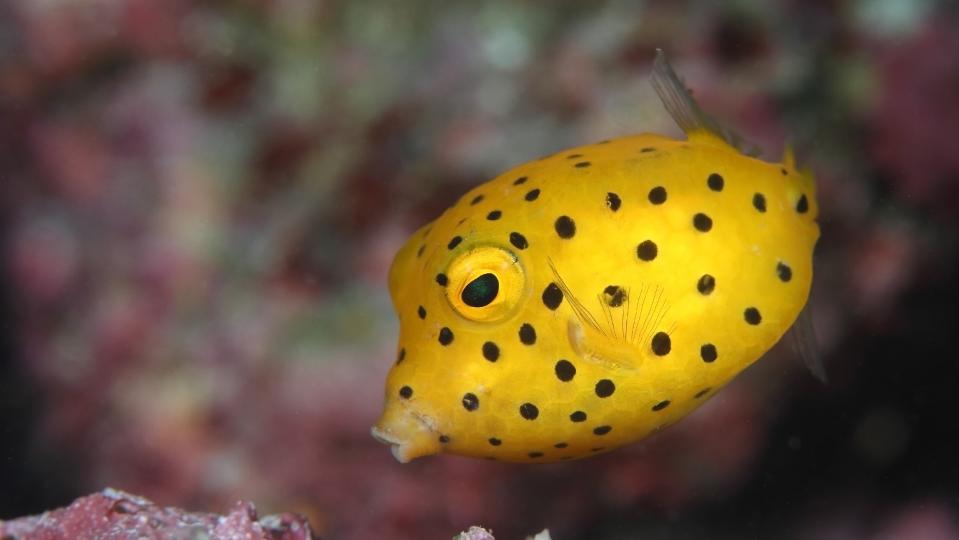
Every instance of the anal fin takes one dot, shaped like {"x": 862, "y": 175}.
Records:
{"x": 802, "y": 337}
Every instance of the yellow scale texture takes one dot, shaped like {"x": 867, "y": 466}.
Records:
{"x": 617, "y": 286}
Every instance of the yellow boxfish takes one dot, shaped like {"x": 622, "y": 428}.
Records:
{"x": 582, "y": 301}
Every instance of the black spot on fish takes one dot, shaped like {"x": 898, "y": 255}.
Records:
{"x": 518, "y": 240}
{"x": 602, "y": 430}
{"x": 802, "y": 205}
{"x": 527, "y": 334}
{"x": 520, "y": 181}
{"x": 535, "y": 455}
{"x": 574, "y": 156}
{"x": 401, "y": 356}
{"x": 406, "y": 392}
{"x": 532, "y": 194}
{"x": 454, "y": 242}
{"x": 614, "y": 295}
{"x": 494, "y": 215}
{"x": 657, "y": 195}
{"x": 715, "y": 182}
{"x": 421, "y": 311}
{"x": 476, "y": 200}
{"x": 752, "y": 316}
{"x": 706, "y": 284}
{"x": 560, "y": 445}
{"x": 444, "y": 439}
{"x": 419, "y": 252}
{"x": 565, "y": 227}
{"x": 708, "y": 353}
{"x": 442, "y": 279}
{"x": 494, "y": 441}
{"x": 528, "y": 411}
{"x": 552, "y": 296}
{"x": 470, "y": 402}
{"x": 565, "y": 370}
{"x": 759, "y": 202}
{"x": 784, "y": 272}
{"x": 647, "y": 250}
{"x": 446, "y": 336}
{"x": 578, "y": 416}
{"x": 661, "y": 405}
{"x": 661, "y": 344}
{"x": 702, "y": 222}
{"x": 647, "y": 149}
{"x": 702, "y": 393}
{"x": 490, "y": 351}
{"x": 605, "y": 388}
{"x": 613, "y": 201}
{"x": 582, "y": 164}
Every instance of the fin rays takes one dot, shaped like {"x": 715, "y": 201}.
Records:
{"x": 646, "y": 320}
{"x": 582, "y": 313}
{"x": 684, "y": 110}
{"x": 640, "y": 315}
{"x": 803, "y": 338}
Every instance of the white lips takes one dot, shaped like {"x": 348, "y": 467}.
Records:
{"x": 396, "y": 446}
{"x": 409, "y": 433}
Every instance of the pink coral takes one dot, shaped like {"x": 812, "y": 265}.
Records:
{"x": 202, "y": 199}
{"x": 115, "y": 515}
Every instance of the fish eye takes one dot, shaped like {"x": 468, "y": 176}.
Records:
{"x": 485, "y": 284}
{"x": 481, "y": 291}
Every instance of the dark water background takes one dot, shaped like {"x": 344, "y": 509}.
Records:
{"x": 200, "y": 201}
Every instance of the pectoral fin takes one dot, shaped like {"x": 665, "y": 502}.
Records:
{"x": 598, "y": 349}
{"x": 615, "y": 332}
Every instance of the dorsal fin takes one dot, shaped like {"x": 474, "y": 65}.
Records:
{"x": 684, "y": 110}
{"x": 789, "y": 156}
{"x": 794, "y": 161}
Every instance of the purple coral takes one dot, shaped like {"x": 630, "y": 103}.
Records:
{"x": 116, "y": 515}
{"x": 201, "y": 200}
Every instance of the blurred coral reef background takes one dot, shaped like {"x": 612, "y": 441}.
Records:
{"x": 200, "y": 201}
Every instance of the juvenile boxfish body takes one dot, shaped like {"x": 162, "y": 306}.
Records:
{"x": 578, "y": 303}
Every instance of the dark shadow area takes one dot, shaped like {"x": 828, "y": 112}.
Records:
{"x": 34, "y": 476}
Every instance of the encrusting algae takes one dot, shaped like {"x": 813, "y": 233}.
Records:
{"x": 580, "y": 302}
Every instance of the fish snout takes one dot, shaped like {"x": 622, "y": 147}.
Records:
{"x": 409, "y": 434}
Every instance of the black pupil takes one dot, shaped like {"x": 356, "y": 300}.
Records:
{"x": 481, "y": 291}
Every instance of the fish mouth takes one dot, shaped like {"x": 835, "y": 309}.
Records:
{"x": 409, "y": 435}
{"x": 396, "y": 445}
